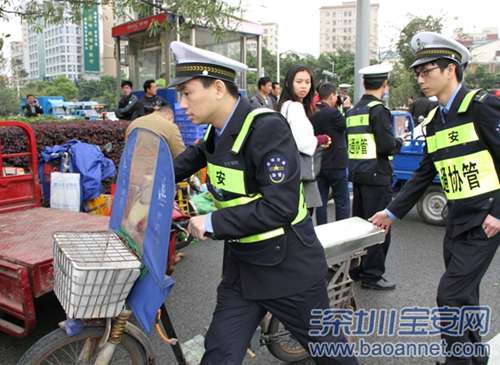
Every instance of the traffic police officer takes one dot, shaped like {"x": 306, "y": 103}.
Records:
{"x": 370, "y": 144}
{"x": 463, "y": 146}
{"x": 273, "y": 260}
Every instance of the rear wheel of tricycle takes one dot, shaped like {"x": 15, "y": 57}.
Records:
{"x": 283, "y": 345}
{"x": 59, "y": 348}
{"x": 431, "y": 205}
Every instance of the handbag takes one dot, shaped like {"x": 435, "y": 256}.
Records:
{"x": 309, "y": 165}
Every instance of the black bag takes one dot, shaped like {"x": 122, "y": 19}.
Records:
{"x": 310, "y": 165}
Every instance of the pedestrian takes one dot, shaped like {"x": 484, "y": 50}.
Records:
{"x": 151, "y": 100}
{"x": 344, "y": 102}
{"x": 371, "y": 143}
{"x": 262, "y": 97}
{"x": 463, "y": 147}
{"x": 32, "y": 108}
{"x": 270, "y": 246}
{"x": 129, "y": 106}
{"x": 161, "y": 122}
{"x": 333, "y": 174}
{"x": 296, "y": 106}
{"x": 420, "y": 107}
{"x": 275, "y": 93}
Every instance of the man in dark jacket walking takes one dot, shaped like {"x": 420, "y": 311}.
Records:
{"x": 333, "y": 174}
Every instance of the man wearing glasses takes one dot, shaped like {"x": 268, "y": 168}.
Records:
{"x": 462, "y": 146}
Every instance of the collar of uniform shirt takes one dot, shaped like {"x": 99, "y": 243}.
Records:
{"x": 219, "y": 131}
{"x": 446, "y": 108}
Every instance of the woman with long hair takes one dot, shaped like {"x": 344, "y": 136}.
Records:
{"x": 296, "y": 105}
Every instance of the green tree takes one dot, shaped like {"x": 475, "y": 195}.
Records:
{"x": 9, "y": 103}
{"x": 343, "y": 63}
{"x": 402, "y": 85}
{"x": 402, "y": 80}
{"x": 60, "y": 86}
{"x": 213, "y": 14}
{"x": 482, "y": 78}
{"x": 416, "y": 25}
{"x": 88, "y": 89}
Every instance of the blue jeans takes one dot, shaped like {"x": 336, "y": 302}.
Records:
{"x": 337, "y": 180}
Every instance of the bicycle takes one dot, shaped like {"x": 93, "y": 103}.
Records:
{"x": 117, "y": 341}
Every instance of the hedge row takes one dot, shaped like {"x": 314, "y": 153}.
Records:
{"x": 12, "y": 140}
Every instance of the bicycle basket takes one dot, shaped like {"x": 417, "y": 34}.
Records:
{"x": 93, "y": 273}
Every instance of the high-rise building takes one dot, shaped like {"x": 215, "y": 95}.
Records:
{"x": 17, "y": 63}
{"x": 270, "y": 37}
{"x": 338, "y": 28}
{"x": 83, "y": 50}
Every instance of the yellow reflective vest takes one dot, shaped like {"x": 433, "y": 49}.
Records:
{"x": 231, "y": 183}
{"x": 464, "y": 164}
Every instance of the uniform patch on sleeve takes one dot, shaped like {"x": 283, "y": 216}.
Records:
{"x": 277, "y": 168}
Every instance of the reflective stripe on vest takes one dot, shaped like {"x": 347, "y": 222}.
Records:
{"x": 361, "y": 146}
{"x": 207, "y": 132}
{"x": 467, "y": 176}
{"x": 233, "y": 180}
{"x": 247, "y": 123}
{"x": 459, "y": 134}
{"x": 467, "y": 100}
{"x": 358, "y": 120}
{"x": 302, "y": 213}
{"x": 225, "y": 178}
{"x": 462, "y": 176}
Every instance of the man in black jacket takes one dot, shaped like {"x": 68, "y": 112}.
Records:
{"x": 129, "y": 106}
{"x": 421, "y": 107}
{"x": 462, "y": 146}
{"x": 371, "y": 142}
{"x": 151, "y": 101}
{"x": 272, "y": 259}
{"x": 333, "y": 174}
{"x": 32, "y": 108}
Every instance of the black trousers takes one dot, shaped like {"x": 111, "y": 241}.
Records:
{"x": 466, "y": 258}
{"x": 235, "y": 320}
{"x": 367, "y": 200}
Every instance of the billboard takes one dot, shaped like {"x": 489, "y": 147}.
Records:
{"x": 91, "y": 54}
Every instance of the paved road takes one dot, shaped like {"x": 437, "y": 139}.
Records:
{"x": 414, "y": 262}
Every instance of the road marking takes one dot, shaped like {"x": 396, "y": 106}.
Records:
{"x": 494, "y": 350}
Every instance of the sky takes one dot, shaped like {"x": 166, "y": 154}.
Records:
{"x": 299, "y": 19}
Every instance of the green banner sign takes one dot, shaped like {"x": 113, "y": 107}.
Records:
{"x": 91, "y": 54}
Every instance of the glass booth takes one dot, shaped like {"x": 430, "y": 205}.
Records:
{"x": 145, "y": 56}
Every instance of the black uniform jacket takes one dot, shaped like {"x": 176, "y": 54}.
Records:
{"x": 387, "y": 145}
{"x": 280, "y": 266}
{"x": 150, "y": 103}
{"x": 129, "y": 108}
{"x": 463, "y": 214}
{"x": 330, "y": 121}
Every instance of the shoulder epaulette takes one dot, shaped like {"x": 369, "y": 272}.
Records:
{"x": 430, "y": 116}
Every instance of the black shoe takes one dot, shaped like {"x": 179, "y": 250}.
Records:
{"x": 381, "y": 284}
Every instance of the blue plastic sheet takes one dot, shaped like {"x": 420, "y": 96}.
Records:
{"x": 142, "y": 207}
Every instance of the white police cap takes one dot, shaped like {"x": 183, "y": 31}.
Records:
{"x": 376, "y": 72}
{"x": 430, "y": 46}
{"x": 194, "y": 62}
{"x": 345, "y": 86}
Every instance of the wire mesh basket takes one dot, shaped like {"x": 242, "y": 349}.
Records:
{"x": 93, "y": 273}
